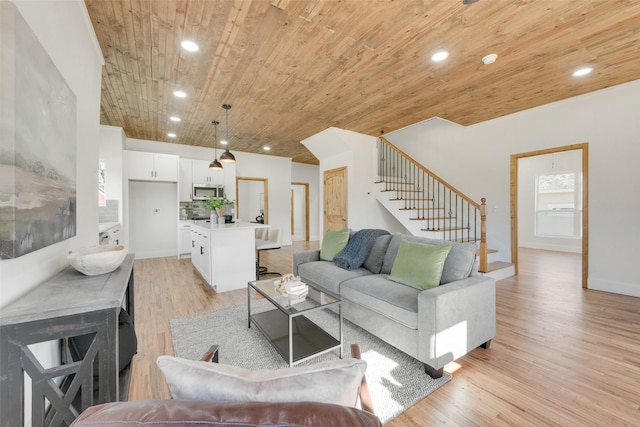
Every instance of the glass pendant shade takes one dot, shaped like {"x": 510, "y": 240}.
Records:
{"x": 227, "y": 157}
{"x": 215, "y": 165}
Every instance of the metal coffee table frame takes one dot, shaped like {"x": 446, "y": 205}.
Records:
{"x": 287, "y": 328}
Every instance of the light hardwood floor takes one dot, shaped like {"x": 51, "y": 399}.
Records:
{"x": 563, "y": 356}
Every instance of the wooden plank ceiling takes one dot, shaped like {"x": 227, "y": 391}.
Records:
{"x": 292, "y": 68}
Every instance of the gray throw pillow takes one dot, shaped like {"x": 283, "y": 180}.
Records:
{"x": 375, "y": 259}
{"x": 334, "y": 381}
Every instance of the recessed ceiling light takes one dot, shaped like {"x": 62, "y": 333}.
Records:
{"x": 180, "y": 94}
{"x": 266, "y": 148}
{"x": 582, "y": 71}
{"x": 223, "y": 142}
{"x": 174, "y": 118}
{"x": 189, "y": 45}
{"x": 440, "y": 56}
{"x": 171, "y": 135}
{"x": 489, "y": 59}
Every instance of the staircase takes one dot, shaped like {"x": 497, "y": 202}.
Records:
{"x": 428, "y": 206}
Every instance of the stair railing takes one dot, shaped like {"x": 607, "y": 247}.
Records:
{"x": 441, "y": 207}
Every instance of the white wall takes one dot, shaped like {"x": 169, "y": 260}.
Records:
{"x": 276, "y": 169}
{"x": 65, "y": 31}
{"x": 111, "y": 145}
{"x": 337, "y": 148}
{"x": 310, "y": 174}
{"x": 528, "y": 169}
{"x": 476, "y": 159}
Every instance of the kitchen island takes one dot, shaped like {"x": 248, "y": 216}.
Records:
{"x": 225, "y": 254}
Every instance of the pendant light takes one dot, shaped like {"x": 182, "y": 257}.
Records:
{"x": 215, "y": 164}
{"x": 227, "y": 157}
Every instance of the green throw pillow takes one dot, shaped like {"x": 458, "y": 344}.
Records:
{"x": 419, "y": 265}
{"x": 333, "y": 243}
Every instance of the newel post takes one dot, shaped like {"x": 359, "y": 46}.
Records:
{"x": 483, "y": 236}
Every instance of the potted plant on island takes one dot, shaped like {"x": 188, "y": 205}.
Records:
{"x": 217, "y": 207}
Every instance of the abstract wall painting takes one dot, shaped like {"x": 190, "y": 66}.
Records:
{"x": 37, "y": 143}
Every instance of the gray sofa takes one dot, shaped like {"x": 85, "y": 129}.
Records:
{"x": 436, "y": 326}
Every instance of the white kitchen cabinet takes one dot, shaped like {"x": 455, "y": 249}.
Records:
{"x": 145, "y": 166}
{"x": 201, "y": 252}
{"x": 231, "y": 254}
{"x": 185, "y": 183}
{"x": 185, "y": 239}
{"x": 201, "y": 174}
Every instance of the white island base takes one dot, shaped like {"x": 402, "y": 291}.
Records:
{"x": 225, "y": 254}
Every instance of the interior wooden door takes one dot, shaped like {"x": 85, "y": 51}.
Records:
{"x": 335, "y": 199}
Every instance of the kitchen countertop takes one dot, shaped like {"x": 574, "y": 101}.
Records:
{"x": 208, "y": 226}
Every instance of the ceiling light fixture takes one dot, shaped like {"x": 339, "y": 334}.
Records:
{"x": 189, "y": 46}
{"x": 215, "y": 164}
{"x": 227, "y": 157}
{"x": 489, "y": 59}
{"x": 171, "y": 135}
{"x": 266, "y": 148}
{"x": 582, "y": 71}
{"x": 179, "y": 94}
{"x": 440, "y": 56}
{"x": 174, "y": 118}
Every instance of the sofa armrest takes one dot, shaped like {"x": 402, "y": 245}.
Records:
{"x": 303, "y": 257}
{"x": 456, "y": 318}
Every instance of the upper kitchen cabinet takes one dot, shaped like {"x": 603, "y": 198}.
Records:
{"x": 145, "y": 166}
{"x": 203, "y": 175}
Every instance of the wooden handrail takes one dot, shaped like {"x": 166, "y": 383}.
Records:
{"x": 428, "y": 172}
{"x": 480, "y": 207}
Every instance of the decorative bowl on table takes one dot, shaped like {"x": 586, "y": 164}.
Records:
{"x": 100, "y": 259}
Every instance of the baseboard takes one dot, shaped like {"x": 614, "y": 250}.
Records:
{"x": 623, "y": 288}
{"x": 155, "y": 254}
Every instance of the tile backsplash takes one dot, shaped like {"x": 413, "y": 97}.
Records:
{"x": 108, "y": 213}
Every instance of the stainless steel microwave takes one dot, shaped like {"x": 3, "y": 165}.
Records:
{"x": 207, "y": 191}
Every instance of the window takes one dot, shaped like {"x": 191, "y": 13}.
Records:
{"x": 558, "y": 205}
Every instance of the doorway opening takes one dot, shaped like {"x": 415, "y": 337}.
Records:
{"x": 560, "y": 204}
{"x": 253, "y": 199}
{"x": 300, "y": 211}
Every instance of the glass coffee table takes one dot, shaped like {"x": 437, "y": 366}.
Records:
{"x": 286, "y": 326}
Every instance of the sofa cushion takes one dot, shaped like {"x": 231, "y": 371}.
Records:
{"x": 333, "y": 243}
{"x": 419, "y": 265}
{"x": 375, "y": 259}
{"x": 390, "y": 299}
{"x": 459, "y": 264}
{"x": 332, "y": 381}
{"x": 357, "y": 250}
{"x": 328, "y": 275}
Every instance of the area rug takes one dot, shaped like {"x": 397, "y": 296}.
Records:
{"x": 396, "y": 380}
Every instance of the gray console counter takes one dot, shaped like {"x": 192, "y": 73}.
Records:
{"x": 69, "y": 304}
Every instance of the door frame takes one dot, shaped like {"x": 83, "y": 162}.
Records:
{"x": 265, "y": 184}
{"x": 585, "y": 203}
{"x": 306, "y": 208}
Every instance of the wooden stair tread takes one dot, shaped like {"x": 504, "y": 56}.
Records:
{"x": 394, "y": 182}
{"x": 410, "y": 200}
{"x": 445, "y": 229}
{"x": 420, "y": 209}
{"x": 399, "y": 190}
